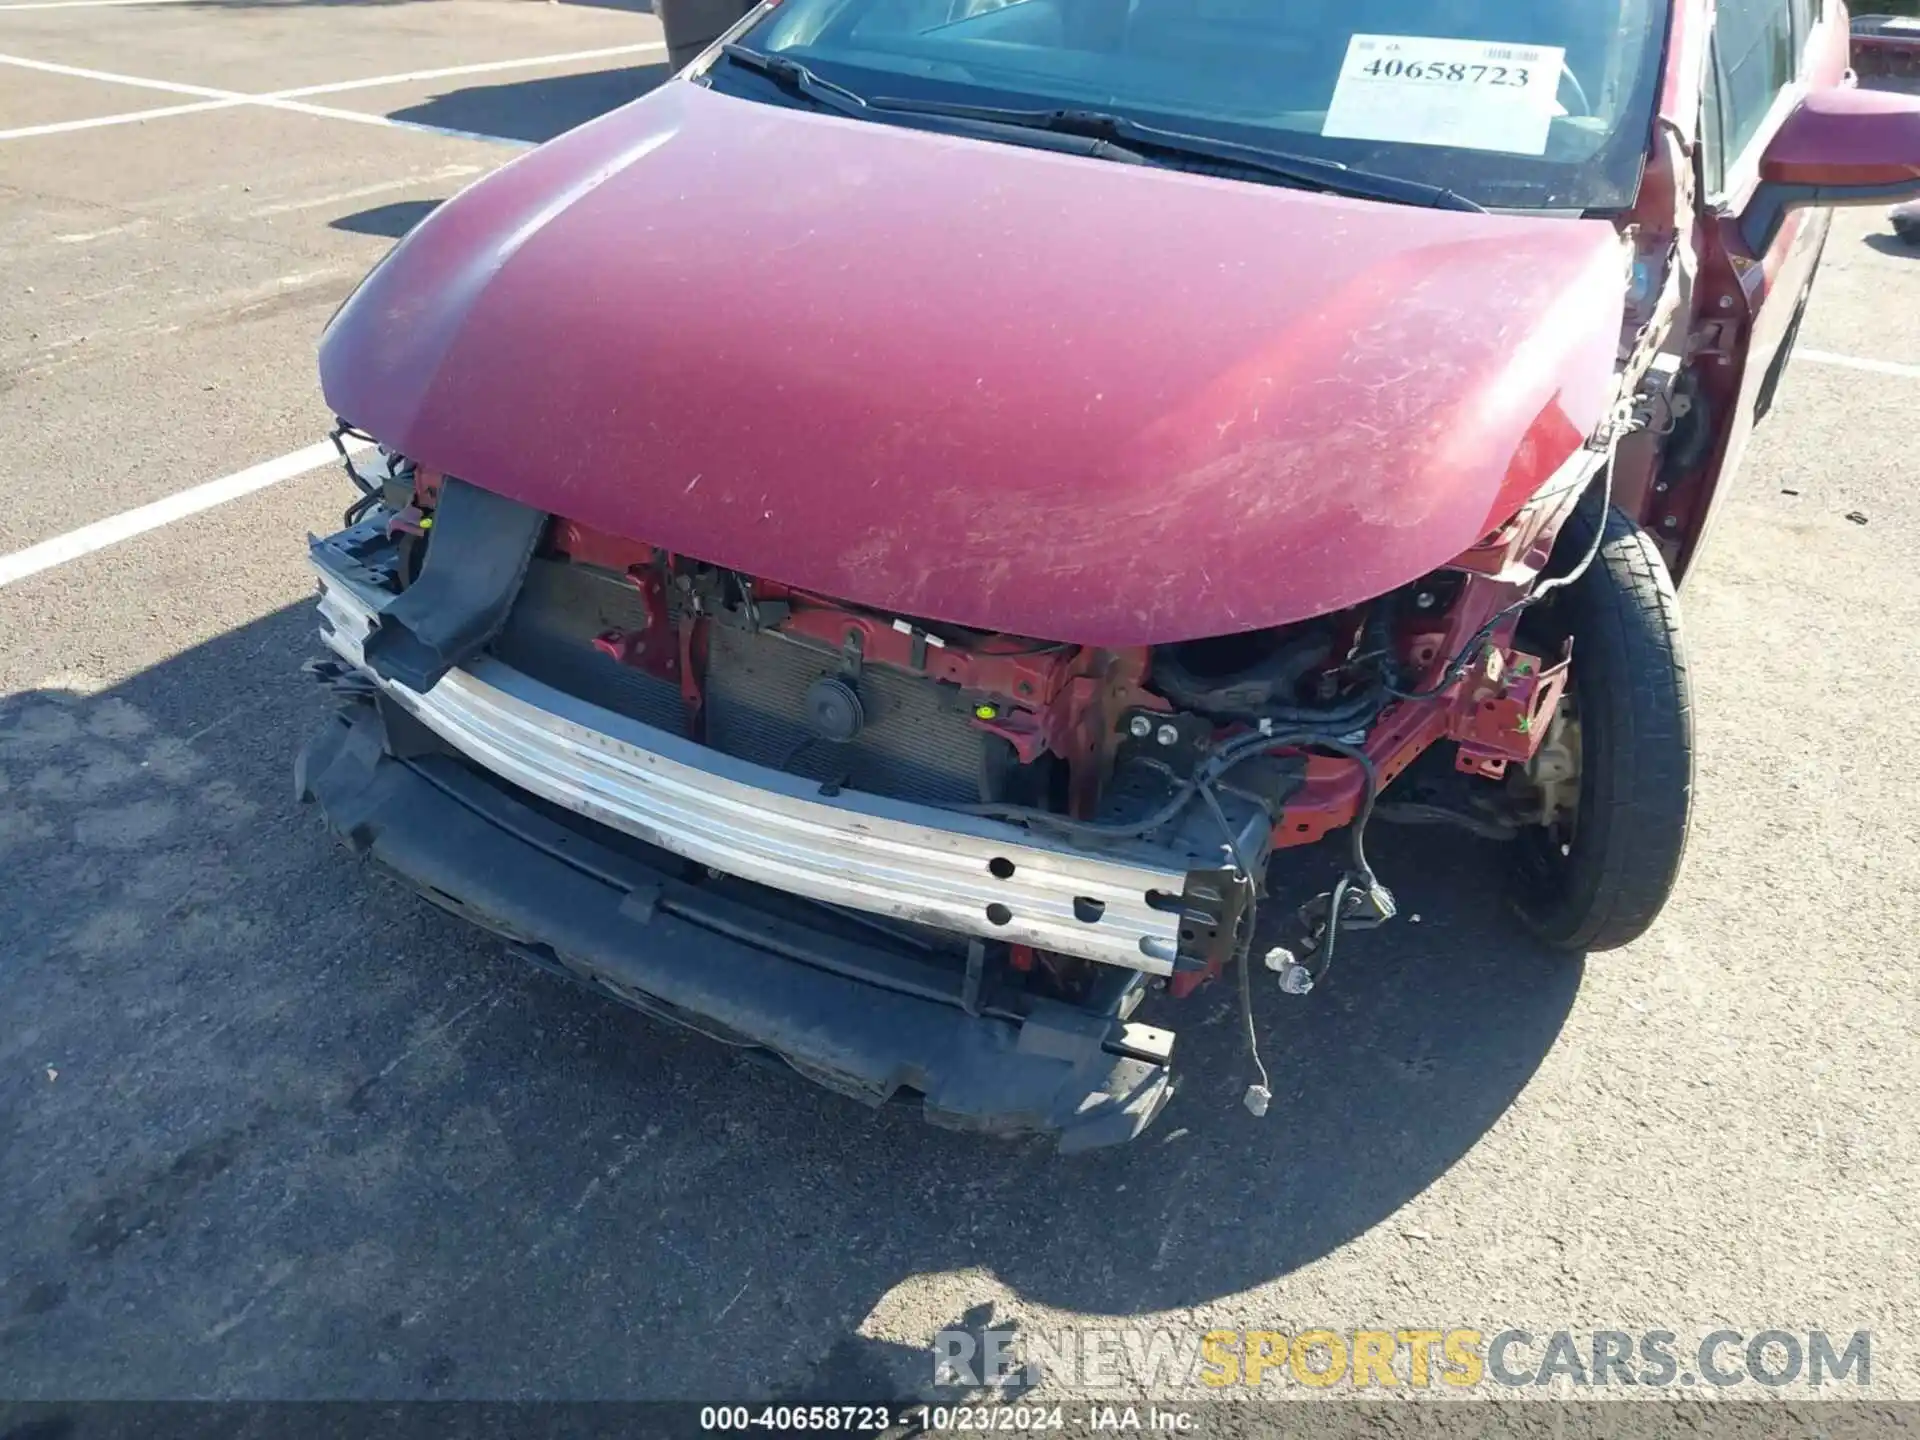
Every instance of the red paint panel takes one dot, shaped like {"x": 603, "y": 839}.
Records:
{"x": 1846, "y": 136}
{"x": 981, "y": 384}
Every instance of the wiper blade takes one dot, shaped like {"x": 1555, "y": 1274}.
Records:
{"x": 1306, "y": 171}
{"x": 796, "y": 79}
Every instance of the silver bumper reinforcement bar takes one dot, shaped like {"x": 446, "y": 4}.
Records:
{"x": 885, "y": 857}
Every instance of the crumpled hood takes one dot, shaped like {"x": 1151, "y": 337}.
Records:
{"x": 982, "y": 384}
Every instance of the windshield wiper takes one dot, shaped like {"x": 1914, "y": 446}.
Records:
{"x": 1306, "y": 171}
{"x": 796, "y": 79}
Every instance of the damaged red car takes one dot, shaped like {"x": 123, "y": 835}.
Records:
{"x": 879, "y": 550}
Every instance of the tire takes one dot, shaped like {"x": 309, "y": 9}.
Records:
{"x": 1603, "y": 885}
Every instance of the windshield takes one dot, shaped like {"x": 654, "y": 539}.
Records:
{"x": 1515, "y": 104}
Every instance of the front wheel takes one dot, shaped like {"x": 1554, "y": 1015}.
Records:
{"x": 1615, "y": 772}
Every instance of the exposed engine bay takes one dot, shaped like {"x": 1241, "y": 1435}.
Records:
{"x": 1192, "y": 762}
{"x": 983, "y": 646}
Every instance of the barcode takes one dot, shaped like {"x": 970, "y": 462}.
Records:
{"x": 1497, "y": 52}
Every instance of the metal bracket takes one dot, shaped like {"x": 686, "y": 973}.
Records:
{"x": 976, "y": 975}
{"x": 1212, "y": 908}
{"x": 1502, "y": 714}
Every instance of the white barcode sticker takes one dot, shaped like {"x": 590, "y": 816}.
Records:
{"x": 1472, "y": 94}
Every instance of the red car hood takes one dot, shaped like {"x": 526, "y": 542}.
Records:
{"x": 971, "y": 382}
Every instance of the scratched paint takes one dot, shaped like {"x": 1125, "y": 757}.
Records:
{"x": 977, "y": 383}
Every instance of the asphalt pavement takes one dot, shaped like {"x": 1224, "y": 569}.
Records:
{"x": 271, "y": 1127}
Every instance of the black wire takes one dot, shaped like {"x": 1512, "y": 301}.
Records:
{"x": 1471, "y": 650}
{"x": 1337, "y": 899}
{"x": 1051, "y": 648}
{"x": 1209, "y": 794}
{"x": 1201, "y": 783}
{"x": 1362, "y": 706}
{"x": 359, "y": 509}
{"x": 1411, "y": 813}
{"x": 1467, "y": 655}
{"x": 1358, "y": 829}
{"x": 1362, "y": 871}
{"x": 1245, "y": 968}
{"x": 1241, "y": 748}
{"x": 341, "y": 433}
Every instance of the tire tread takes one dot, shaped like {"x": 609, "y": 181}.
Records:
{"x": 1630, "y": 845}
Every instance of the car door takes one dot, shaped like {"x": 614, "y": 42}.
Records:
{"x": 1765, "y": 56}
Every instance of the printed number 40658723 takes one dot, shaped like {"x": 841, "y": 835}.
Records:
{"x": 1455, "y": 72}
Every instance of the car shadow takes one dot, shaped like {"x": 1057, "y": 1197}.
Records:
{"x": 535, "y": 110}
{"x": 1893, "y": 245}
{"x": 392, "y": 220}
{"x": 282, "y": 1129}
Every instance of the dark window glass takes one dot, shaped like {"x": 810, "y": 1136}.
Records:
{"x": 1265, "y": 73}
{"x": 1806, "y": 14}
{"x": 1757, "y": 58}
{"x": 1713, "y": 150}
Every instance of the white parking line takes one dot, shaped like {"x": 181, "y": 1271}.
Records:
{"x": 88, "y": 4}
{"x": 85, "y": 237}
{"x": 139, "y": 82}
{"x": 295, "y": 107}
{"x": 124, "y": 117}
{"x": 1853, "y": 362}
{"x": 373, "y": 117}
{"x": 129, "y": 523}
{"x": 292, "y": 99}
{"x": 481, "y": 68}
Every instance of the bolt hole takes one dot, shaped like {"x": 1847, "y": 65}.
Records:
{"x": 1164, "y": 901}
{"x": 999, "y": 914}
{"x": 1000, "y": 868}
{"x": 1087, "y": 910}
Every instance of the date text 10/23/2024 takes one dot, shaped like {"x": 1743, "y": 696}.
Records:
{"x": 940, "y": 1419}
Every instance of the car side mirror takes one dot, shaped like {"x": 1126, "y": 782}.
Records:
{"x": 1838, "y": 147}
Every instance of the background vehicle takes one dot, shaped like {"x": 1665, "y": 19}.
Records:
{"x": 995, "y": 477}
{"x": 1906, "y": 222}
{"x": 692, "y": 25}
{"x": 1887, "y": 47}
